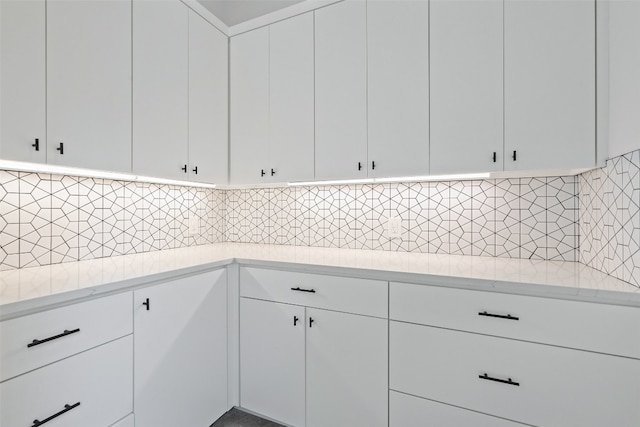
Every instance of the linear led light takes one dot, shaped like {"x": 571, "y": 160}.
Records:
{"x": 457, "y": 177}
{"x": 116, "y": 176}
{"x": 333, "y": 182}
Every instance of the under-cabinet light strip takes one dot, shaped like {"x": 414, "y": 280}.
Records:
{"x": 458, "y": 177}
{"x": 116, "y": 176}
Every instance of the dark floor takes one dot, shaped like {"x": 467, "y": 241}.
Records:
{"x": 237, "y": 418}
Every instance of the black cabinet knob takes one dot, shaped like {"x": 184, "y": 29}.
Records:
{"x": 184, "y": 168}
{"x": 195, "y": 170}
{"x": 262, "y": 172}
{"x": 60, "y": 148}
{"x": 36, "y": 144}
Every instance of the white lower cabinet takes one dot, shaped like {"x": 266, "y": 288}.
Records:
{"x": 346, "y": 369}
{"x": 93, "y": 388}
{"x": 313, "y": 367}
{"x": 406, "y": 411}
{"x": 541, "y": 385}
{"x": 180, "y": 330}
{"x": 272, "y": 342}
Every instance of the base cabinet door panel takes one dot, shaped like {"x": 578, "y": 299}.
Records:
{"x": 272, "y": 362}
{"x": 531, "y": 383}
{"x": 181, "y": 352}
{"x": 346, "y": 369}
{"x": 406, "y": 410}
{"x": 100, "y": 380}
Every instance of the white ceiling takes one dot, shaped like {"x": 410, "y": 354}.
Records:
{"x": 233, "y": 12}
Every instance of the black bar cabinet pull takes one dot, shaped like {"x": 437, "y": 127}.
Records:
{"x": 36, "y": 144}
{"x": 299, "y": 289}
{"x": 373, "y": 165}
{"x": 273, "y": 172}
{"x": 184, "y": 168}
{"x": 147, "y": 304}
{"x": 311, "y": 321}
{"x": 499, "y": 316}
{"x": 262, "y": 172}
{"x": 195, "y": 170}
{"x": 514, "y": 155}
{"x": 359, "y": 166}
{"x": 498, "y": 380}
{"x": 55, "y": 337}
{"x": 495, "y": 156}
{"x": 60, "y": 148}
{"x": 295, "y": 320}
{"x": 67, "y": 408}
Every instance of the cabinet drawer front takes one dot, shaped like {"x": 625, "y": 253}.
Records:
{"x": 360, "y": 296}
{"x": 571, "y": 324}
{"x": 87, "y": 325}
{"x": 406, "y": 410}
{"x": 555, "y": 386}
{"x": 101, "y": 380}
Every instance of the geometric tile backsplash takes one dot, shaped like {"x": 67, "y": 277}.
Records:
{"x": 518, "y": 218}
{"x": 48, "y": 219}
{"x": 610, "y": 218}
{"x": 593, "y": 218}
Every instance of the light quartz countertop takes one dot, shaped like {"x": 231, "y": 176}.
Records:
{"x": 32, "y": 289}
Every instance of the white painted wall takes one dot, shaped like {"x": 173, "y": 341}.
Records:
{"x": 624, "y": 74}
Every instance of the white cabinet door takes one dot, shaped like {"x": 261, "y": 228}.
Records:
{"x": 347, "y": 365}
{"x": 466, "y": 86}
{"x": 22, "y": 80}
{"x": 208, "y": 102}
{"x": 272, "y": 360}
{"x": 341, "y": 91}
{"x": 181, "y": 352}
{"x": 89, "y": 84}
{"x": 249, "y": 65}
{"x": 549, "y": 88}
{"x": 291, "y": 106}
{"x": 160, "y": 88}
{"x": 398, "y": 87}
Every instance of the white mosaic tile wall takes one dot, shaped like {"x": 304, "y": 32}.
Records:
{"x": 610, "y": 218}
{"x": 47, "y": 219}
{"x": 518, "y": 218}
{"x": 593, "y": 218}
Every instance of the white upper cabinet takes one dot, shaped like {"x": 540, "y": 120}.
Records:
{"x": 291, "y": 106}
{"x": 549, "y": 86}
{"x": 249, "y": 109}
{"x": 160, "y": 88}
{"x": 341, "y": 91}
{"x": 22, "y": 80}
{"x": 208, "y": 100}
{"x": 89, "y": 84}
{"x": 398, "y": 87}
{"x": 272, "y": 121}
{"x": 466, "y": 86}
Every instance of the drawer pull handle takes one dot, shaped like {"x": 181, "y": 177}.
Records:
{"x": 311, "y": 322}
{"x": 147, "y": 304}
{"x": 295, "y": 320}
{"x": 67, "y": 408}
{"x": 55, "y": 337}
{"x": 499, "y": 316}
{"x": 498, "y": 380}
{"x": 299, "y": 289}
